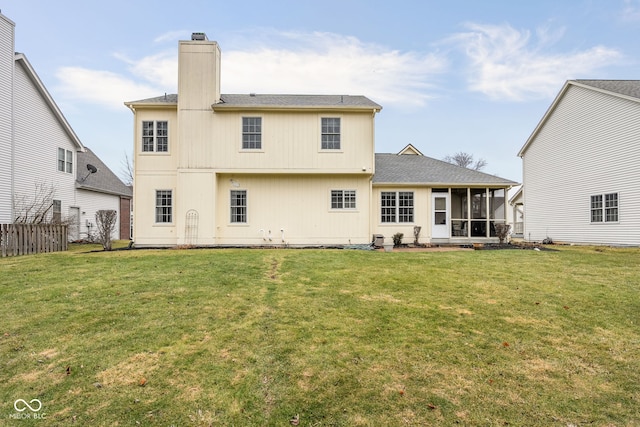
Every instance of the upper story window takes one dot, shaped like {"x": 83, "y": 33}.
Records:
{"x": 164, "y": 206}
{"x": 396, "y": 206}
{"x": 330, "y": 133}
{"x": 252, "y": 133}
{"x": 604, "y": 207}
{"x": 155, "y": 136}
{"x": 343, "y": 199}
{"x": 65, "y": 160}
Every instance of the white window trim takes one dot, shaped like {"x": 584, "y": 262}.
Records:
{"x": 239, "y": 224}
{"x": 343, "y": 209}
{"x": 603, "y": 209}
{"x": 262, "y": 121}
{"x": 67, "y": 159}
{"x": 155, "y": 207}
{"x": 331, "y": 150}
{"x": 397, "y": 207}
{"x": 155, "y": 151}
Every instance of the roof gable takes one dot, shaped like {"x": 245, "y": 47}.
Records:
{"x": 626, "y": 89}
{"x": 33, "y": 76}
{"x": 410, "y": 150}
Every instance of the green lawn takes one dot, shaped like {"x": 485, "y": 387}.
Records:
{"x": 336, "y": 337}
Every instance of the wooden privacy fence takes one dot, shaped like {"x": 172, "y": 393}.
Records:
{"x": 25, "y": 239}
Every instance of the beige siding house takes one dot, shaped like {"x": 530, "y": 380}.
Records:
{"x": 216, "y": 169}
{"x": 581, "y": 180}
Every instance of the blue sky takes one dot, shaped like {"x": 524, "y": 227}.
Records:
{"x": 451, "y": 75}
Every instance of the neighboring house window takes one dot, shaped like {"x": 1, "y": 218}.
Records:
{"x": 343, "y": 199}
{"x": 57, "y": 211}
{"x": 396, "y": 206}
{"x": 155, "y": 136}
{"x": 65, "y": 160}
{"x": 164, "y": 206}
{"x": 252, "y": 133}
{"x": 238, "y": 206}
{"x": 604, "y": 207}
{"x": 330, "y": 133}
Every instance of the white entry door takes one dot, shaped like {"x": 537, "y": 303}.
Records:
{"x": 440, "y": 228}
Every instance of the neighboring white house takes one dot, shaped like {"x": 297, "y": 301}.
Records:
{"x": 581, "y": 166}
{"x": 42, "y": 153}
{"x": 215, "y": 169}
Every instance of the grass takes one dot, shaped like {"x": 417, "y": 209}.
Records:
{"x": 338, "y": 338}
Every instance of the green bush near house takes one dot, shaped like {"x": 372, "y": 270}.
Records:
{"x": 335, "y": 337}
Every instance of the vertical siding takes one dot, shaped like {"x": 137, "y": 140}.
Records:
{"x": 6, "y": 116}
{"x": 299, "y": 205}
{"x": 38, "y": 134}
{"x": 421, "y": 215}
{"x": 589, "y": 145}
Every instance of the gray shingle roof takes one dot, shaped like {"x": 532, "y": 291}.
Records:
{"x": 622, "y": 87}
{"x": 276, "y": 101}
{"x": 414, "y": 169}
{"x": 103, "y": 181}
{"x": 170, "y": 98}
{"x": 296, "y": 101}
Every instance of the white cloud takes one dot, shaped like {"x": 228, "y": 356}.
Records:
{"x": 276, "y": 62}
{"x": 159, "y": 69}
{"x": 631, "y": 10}
{"x": 105, "y": 88}
{"x": 313, "y": 63}
{"x": 507, "y": 64}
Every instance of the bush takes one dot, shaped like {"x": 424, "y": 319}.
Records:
{"x": 502, "y": 231}
{"x": 106, "y": 223}
{"x": 397, "y": 239}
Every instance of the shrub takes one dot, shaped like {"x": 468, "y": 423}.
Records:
{"x": 397, "y": 239}
{"x": 502, "y": 231}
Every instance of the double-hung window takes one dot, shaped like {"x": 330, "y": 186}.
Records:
{"x": 65, "y": 160}
{"x": 330, "y": 133}
{"x": 57, "y": 211}
{"x": 164, "y": 206}
{"x": 604, "y": 207}
{"x": 396, "y": 206}
{"x": 343, "y": 199}
{"x": 155, "y": 136}
{"x": 238, "y": 206}
{"x": 252, "y": 133}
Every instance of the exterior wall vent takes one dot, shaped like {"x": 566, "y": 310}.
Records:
{"x": 199, "y": 36}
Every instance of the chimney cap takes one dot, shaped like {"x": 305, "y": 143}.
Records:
{"x": 199, "y": 36}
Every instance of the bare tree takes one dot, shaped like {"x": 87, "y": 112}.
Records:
{"x": 106, "y": 223}
{"x": 466, "y": 161}
{"x": 36, "y": 208}
{"x": 126, "y": 170}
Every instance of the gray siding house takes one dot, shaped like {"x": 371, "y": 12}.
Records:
{"x": 42, "y": 153}
{"x": 581, "y": 173}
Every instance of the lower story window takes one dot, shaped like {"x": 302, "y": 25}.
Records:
{"x": 57, "y": 211}
{"x": 164, "y": 206}
{"x": 396, "y": 206}
{"x": 604, "y": 207}
{"x": 238, "y": 206}
{"x": 343, "y": 199}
